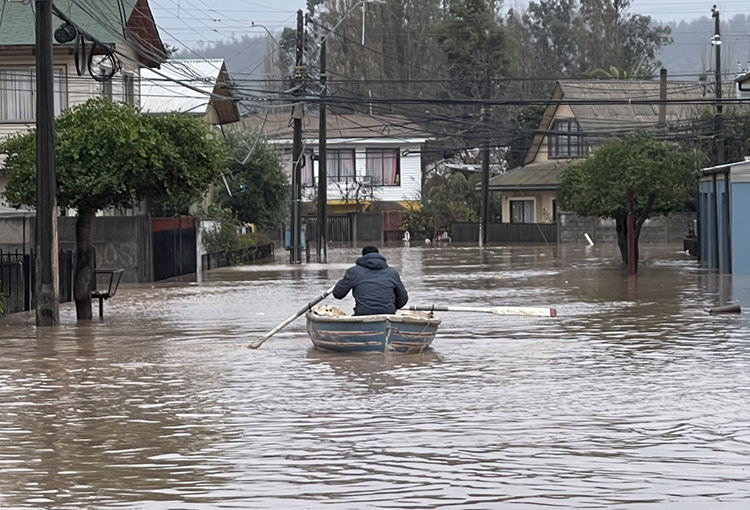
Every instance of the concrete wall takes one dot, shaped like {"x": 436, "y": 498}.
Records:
{"x": 120, "y": 241}
{"x": 671, "y": 229}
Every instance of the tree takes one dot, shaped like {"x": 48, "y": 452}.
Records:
{"x": 259, "y": 187}
{"x": 565, "y": 38}
{"x": 661, "y": 175}
{"x": 449, "y": 199}
{"x": 475, "y": 46}
{"x": 109, "y": 155}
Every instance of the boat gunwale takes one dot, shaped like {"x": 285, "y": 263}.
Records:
{"x": 398, "y": 318}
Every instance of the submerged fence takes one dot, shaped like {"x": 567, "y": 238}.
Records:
{"x": 235, "y": 257}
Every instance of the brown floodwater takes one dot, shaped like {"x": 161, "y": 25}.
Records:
{"x": 633, "y": 397}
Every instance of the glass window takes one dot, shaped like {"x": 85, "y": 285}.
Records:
{"x": 18, "y": 93}
{"x": 383, "y": 167}
{"x": 567, "y": 145}
{"x": 522, "y": 211}
{"x": 287, "y": 164}
{"x": 340, "y": 165}
{"x": 128, "y": 89}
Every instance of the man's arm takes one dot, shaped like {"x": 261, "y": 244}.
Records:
{"x": 344, "y": 285}
{"x": 402, "y": 297}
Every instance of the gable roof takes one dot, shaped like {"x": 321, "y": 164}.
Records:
{"x": 277, "y": 125}
{"x": 106, "y": 20}
{"x": 208, "y": 79}
{"x": 601, "y": 121}
{"x": 536, "y": 176}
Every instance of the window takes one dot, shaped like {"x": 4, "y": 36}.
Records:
{"x": 383, "y": 167}
{"x": 287, "y": 163}
{"x": 521, "y": 211}
{"x": 340, "y": 165}
{"x": 18, "y": 93}
{"x": 106, "y": 84}
{"x": 567, "y": 145}
{"x": 128, "y": 89}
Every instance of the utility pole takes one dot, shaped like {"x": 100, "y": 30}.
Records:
{"x": 720, "y": 157}
{"x": 295, "y": 250}
{"x": 716, "y": 41}
{"x": 322, "y": 163}
{"x": 484, "y": 220}
{"x": 47, "y": 273}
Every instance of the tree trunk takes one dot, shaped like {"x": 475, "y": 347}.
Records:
{"x": 84, "y": 264}
{"x": 622, "y": 238}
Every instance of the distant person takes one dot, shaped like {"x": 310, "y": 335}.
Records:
{"x": 376, "y": 286}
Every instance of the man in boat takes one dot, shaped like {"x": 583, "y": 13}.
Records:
{"x": 376, "y": 286}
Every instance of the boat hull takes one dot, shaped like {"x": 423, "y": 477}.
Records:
{"x": 406, "y": 332}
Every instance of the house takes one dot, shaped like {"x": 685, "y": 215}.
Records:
{"x": 569, "y": 132}
{"x": 201, "y": 88}
{"x": 130, "y": 30}
{"x": 194, "y": 87}
{"x": 374, "y": 163}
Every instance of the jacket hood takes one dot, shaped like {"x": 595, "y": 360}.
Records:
{"x": 372, "y": 261}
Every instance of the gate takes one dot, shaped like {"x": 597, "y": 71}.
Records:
{"x": 174, "y": 247}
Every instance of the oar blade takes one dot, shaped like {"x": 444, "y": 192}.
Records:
{"x": 525, "y": 311}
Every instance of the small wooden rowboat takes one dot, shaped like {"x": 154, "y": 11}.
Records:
{"x": 405, "y": 331}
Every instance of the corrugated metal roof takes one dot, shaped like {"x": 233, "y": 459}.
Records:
{"x": 277, "y": 125}
{"x": 17, "y": 20}
{"x": 160, "y": 95}
{"x": 611, "y": 119}
{"x": 536, "y": 176}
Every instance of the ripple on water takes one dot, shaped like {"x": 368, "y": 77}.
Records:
{"x": 633, "y": 397}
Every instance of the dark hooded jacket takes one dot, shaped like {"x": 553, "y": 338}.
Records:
{"x": 376, "y": 287}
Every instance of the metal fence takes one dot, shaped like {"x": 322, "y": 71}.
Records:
{"x": 236, "y": 257}
{"x": 18, "y": 279}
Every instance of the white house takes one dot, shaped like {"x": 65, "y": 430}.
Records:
{"x": 374, "y": 163}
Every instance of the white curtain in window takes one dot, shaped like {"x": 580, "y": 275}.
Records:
{"x": 16, "y": 94}
{"x": 382, "y": 166}
{"x": 340, "y": 165}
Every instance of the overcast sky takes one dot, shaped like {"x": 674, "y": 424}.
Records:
{"x": 185, "y": 22}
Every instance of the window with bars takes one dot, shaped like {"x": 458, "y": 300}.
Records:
{"x": 570, "y": 142}
{"x": 18, "y": 93}
{"x": 383, "y": 167}
{"x": 340, "y": 165}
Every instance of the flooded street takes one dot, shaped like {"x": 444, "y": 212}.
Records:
{"x": 633, "y": 397}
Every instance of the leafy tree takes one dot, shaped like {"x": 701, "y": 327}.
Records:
{"x": 109, "y": 155}
{"x": 259, "y": 187}
{"x": 475, "y": 46}
{"x": 567, "y": 37}
{"x": 661, "y": 175}
{"x": 448, "y": 200}
{"x": 637, "y": 72}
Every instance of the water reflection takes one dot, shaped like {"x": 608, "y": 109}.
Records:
{"x": 633, "y": 397}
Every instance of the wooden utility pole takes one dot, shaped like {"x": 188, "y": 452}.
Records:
{"x": 47, "y": 273}
{"x": 484, "y": 219}
{"x": 322, "y": 163}
{"x": 295, "y": 250}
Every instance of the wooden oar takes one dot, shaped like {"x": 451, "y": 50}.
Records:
{"x": 281, "y": 326}
{"x": 497, "y": 310}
